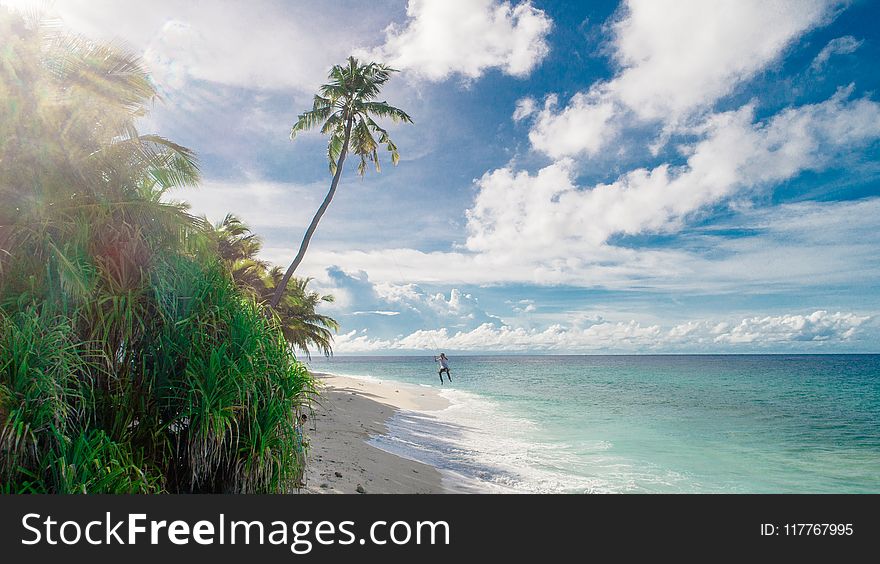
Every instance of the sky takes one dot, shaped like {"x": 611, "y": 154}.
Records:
{"x": 643, "y": 176}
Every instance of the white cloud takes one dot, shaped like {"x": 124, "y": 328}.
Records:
{"x": 262, "y": 44}
{"x": 818, "y": 326}
{"x": 386, "y": 313}
{"x": 547, "y": 215}
{"x": 523, "y": 306}
{"x": 524, "y": 108}
{"x": 584, "y": 125}
{"x": 838, "y": 46}
{"x": 797, "y": 245}
{"x": 609, "y": 267}
{"x": 391, "y": 308}
{"x": 754, "y": 333}
{"x": 261, "y": 204}
{"x": 791, "y": 246}
{"x": 441, "y": 38}
{"x": 676, "y": 58}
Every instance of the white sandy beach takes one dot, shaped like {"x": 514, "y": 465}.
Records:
{"x": 351, "y": 411}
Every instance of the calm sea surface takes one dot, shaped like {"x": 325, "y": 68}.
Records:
{"x": 762, "y": 423}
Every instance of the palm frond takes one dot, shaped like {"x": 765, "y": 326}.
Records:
{"x": 310, "y": 119}
{"x": 334, "y": 151}
{"x": 383, "y": 110}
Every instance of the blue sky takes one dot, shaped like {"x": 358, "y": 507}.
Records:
{"x": 642, "y": 176}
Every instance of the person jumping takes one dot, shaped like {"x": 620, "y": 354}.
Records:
{"x": 444, "y": 367}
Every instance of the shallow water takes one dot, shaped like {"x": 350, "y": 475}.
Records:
{"x": 726, "y": 423}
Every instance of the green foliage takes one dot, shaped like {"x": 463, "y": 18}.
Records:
{"x": 130, "y": 361}
{"x": 301, "y": 324}
{"x": 344, "y": 109}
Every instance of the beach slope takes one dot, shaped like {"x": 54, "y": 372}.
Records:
{"x": 349, "y": 413}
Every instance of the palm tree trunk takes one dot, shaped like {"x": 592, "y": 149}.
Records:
{"x": 279, "y": 290}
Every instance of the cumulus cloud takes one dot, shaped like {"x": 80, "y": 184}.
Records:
{"x": 441, "y": 38}
{"x": 547, "y": 214}
{"x": 838, "y": 46}
{"x": 583, "y": 126}
{"x": 818, "y": 326}
{"x": 802, "y": 245}
{"x": 386, "y": 309}
{"x": 523, "y": 306}
{"x": 675, "y": 58}
{"x": 678, "y": 56}
{"x": 754, "y": 333}
{"x": 524, "y": 108}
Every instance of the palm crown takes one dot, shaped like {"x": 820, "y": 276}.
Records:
{"x": 346, "y": 106}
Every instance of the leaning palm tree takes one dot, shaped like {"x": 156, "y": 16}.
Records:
{"x": 346, "y": 107}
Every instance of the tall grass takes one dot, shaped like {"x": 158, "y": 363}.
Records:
{"x": 184, "y": 385}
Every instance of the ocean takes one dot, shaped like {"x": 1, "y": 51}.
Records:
{"x": 642, "y": 424}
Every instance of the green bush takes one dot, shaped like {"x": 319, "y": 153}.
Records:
{"x": 183, "y": 386}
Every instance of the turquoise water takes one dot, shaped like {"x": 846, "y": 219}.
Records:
{"x": 758, "y": 424}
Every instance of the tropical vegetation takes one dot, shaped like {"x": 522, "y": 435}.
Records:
{"x": 135, "y": 352}
{"x": 303, "y": 327}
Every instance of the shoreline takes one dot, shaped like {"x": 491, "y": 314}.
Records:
{"x": 350, "y": 412}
